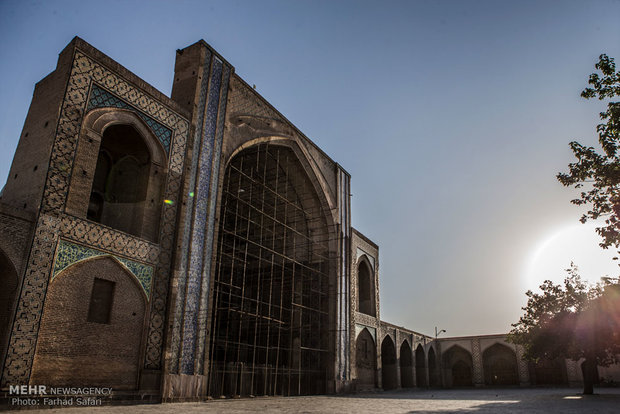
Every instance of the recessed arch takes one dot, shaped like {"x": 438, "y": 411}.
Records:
{"x": 500, "y": 365}
{"x": 98, "y": 120}
{"x": 420, "y": 367}
{"x": 366, "y": 360}
{"x": 458, "y": 367}
{"x": 366, "y": 290}
{"x": 123, "y": 165}
{"x": 433, "y": 369}
{"x": 270, "y": 314}
{"x": 388, "y": 364}
{"x": 92, "y": 327}
{"x": 406, "y": 365}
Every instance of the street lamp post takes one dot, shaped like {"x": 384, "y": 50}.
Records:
{"x": 438, "y": 356}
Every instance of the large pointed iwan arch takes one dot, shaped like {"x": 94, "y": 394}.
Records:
{"x": 271, "y": 308}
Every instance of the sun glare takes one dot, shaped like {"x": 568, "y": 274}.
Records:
{"x": 577, "y": 243}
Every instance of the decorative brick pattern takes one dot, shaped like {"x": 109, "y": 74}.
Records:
{"x": 52, "y": 222}
{"x": 524, "y": 373}
{"x": 100, "y": 98}
{"x": 476, "y": 356}
{"x": 68, "y": 253}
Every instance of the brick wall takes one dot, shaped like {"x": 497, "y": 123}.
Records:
{"x": 72, "y": 351}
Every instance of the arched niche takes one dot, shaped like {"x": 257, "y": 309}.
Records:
{"x": 119, "y": 173}
{"x": 92, "y": 327}
{"x": 500, "y": 365}
{"x": 406, "y": 365}
{"x": 365, "y": 287}
{"x": 366, "y": 360}
{"x": 420, "y": 367}
{"x": 388, "y": 364}
{"x": 458, "y": 367}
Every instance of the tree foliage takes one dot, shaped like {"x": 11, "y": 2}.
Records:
{"x": 597, "y": 173}
{"x": 576, "y": 320}
{"x": 572, "y": 320}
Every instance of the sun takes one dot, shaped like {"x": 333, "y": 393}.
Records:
{"x": 577, "y": 243}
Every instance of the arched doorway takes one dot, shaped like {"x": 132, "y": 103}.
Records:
{"x": 457, "y": 365}
{"x": 366, "y": 361}
{"x": 388, "y": 364}
{"x": 500, "y": 365}
{"x": 420, "y": 367}
{"x": 9, "y": 283}
{"x": 433, "y": 370}
{"x": 366, "y": 288}
{"x": 270, "y": 314}
{"x": 92, "y": 327}
{"x": 406, "y": 366}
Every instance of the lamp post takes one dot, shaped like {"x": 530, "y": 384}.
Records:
{"x": 437, "y": 333}
{"x": 438, "y": 356}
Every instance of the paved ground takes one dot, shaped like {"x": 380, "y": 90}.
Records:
{"x": 521, "y": 401}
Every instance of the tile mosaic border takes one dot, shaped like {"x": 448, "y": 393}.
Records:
{"x": 52, "y": 222}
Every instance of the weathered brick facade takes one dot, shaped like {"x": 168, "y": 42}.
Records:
{"x": 196, "y": 245}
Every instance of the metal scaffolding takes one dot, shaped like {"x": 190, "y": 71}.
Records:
{"x": 270, "y": 320}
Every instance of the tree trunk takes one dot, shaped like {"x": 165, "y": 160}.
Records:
{"x": 588, "y": 369}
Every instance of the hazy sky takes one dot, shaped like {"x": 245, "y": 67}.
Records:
{"x": 452, "y": 117}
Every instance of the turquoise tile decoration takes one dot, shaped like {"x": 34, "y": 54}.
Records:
{"x": 69, "y": 253}
{"x": 100, "y": 98}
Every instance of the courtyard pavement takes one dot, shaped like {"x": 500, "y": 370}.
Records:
{"x": 521, "y": 401}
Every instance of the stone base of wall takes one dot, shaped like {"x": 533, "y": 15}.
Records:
{"x": 184, "y": 388}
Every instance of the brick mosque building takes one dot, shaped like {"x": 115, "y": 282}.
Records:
{"x": 197, "y": 245}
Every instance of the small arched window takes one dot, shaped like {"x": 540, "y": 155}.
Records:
{"x": 365, "y": 289}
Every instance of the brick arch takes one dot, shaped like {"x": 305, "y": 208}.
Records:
{"x": 366, "y": 287}
{"x": 500, "y": 365}
{"x": 270, "y": 203}
{"x": 366, "y": 360}
{"x": 420, "y": 366}
{"x": 97, "y": 141}
{"x": 434, "y": 377}
{"x": 319, "y": 183}
{"x": 92, "y": 327}
{"x": 388, "y": 363}
{"x": 406, "y": 365}
{"x": 458, "y": 366}
{"x": 98, "y": 120}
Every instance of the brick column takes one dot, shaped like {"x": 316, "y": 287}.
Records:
{"x": 476, "y": 356}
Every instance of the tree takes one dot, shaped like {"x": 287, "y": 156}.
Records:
{"x": 572, "y": 320}
{"x": 576, "y": 320}
{"x": 598, "y": 174}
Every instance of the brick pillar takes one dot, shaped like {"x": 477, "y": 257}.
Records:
{"x": 524, "y": 373}
{"x": 476, "y": 356}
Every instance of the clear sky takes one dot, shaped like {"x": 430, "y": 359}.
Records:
{"x": 452, "y": 117}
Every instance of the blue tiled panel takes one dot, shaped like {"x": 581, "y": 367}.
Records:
{"x": 178, "y": 323}
{"x": 197, "y": 248}
{"x": 100, "y": 98}
{"x": 69, "y": 253}
{"x": 210, "y": 229}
